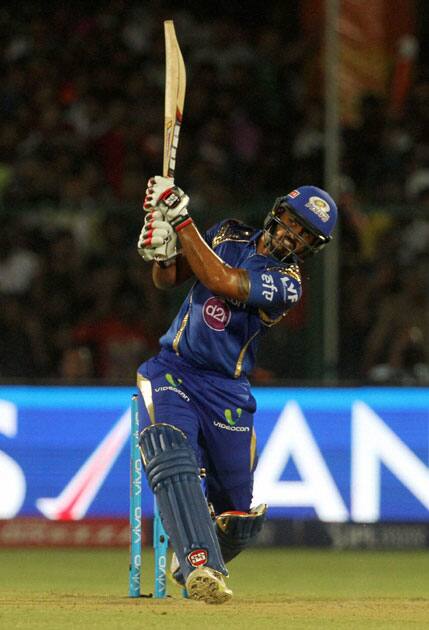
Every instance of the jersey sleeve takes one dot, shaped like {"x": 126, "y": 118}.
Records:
{"x": 211, "y": 232}
{"x": 274, "y": 289}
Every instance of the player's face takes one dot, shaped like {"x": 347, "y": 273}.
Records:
{"x": 290, "y": 236}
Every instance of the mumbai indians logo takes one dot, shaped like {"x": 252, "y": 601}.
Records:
{"x": 320, "y": 207}
{"x": 229, "y": 416}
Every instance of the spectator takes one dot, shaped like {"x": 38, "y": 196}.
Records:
{"x": 19, "y": 265}
{"x": 397, "y": 346}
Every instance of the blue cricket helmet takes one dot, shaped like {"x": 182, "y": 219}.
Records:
{"x": 314, "y": 209}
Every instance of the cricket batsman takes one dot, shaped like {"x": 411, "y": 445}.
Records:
{"x": 195, "y": 402}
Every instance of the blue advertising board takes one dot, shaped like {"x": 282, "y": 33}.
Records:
{"x": 337, "y": 455}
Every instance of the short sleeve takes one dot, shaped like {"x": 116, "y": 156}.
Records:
{"x": 211, "y": 232}
{"x": 274, "y": 289}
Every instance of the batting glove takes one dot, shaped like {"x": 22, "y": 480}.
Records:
{"x": 163, "y": 195}
{"x": 157, "y": 240}
{"x": 156, "y": 187}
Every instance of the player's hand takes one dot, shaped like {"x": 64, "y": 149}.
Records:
{"x": 156, "y": 187}
{"x": 157, "y": 240}
{"x": 163, "y": 195}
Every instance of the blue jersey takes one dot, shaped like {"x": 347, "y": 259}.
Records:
{"x": 215, "y": 333}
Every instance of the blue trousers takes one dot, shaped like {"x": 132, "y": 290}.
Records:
{"x": 216, "y": 415}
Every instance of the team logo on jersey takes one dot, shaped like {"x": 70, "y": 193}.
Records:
{"x": 216, "y": 313}
{"x": 320, "y": 207}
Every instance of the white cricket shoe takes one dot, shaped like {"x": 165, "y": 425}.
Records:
{"x": 207, "y": 585}
{"x": 175, "y": 571}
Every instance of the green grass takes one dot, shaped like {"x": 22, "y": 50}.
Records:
{"x": 276, "y": 588}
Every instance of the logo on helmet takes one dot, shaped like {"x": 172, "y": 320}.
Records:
{"x": 320, "y": 207}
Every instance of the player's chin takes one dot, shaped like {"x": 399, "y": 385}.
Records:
{"x": 281, "y": 250}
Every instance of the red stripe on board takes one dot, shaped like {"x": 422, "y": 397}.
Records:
{"x": 39, "y": 532}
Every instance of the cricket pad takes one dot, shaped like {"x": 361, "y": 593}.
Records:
{"x": 173, "y": 474}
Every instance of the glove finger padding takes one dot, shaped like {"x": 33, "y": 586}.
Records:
{"x": 156, "y": 188}
{"x": 156, "y": 233}
{"x": 153, "y": 215}
{"x": 157, "y": 240}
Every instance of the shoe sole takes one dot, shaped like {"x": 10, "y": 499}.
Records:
{"x": 202, "y": 585}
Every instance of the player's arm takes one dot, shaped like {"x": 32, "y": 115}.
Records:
{"x": 198, "y": 259}
{"x": 166, "y": 277}
{"x": 270, "y": 289}
{"x": 211, "y": 270}
{"x": 266, "y": 289}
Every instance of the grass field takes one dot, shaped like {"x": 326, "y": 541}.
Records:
{"x": 276, "y": 588}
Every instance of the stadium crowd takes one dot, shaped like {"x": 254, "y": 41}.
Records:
{"x": 81, "y": 106}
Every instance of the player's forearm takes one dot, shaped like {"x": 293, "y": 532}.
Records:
{"x": 211, "y": 270}
{"x": 171, "y": 276}
{"x": 164, "y": 277}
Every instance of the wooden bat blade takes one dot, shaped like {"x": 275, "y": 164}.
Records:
{"x": 175, "y": 88}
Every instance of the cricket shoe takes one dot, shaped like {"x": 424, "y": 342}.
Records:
{"x": 207, "y": 585}
{"x": 175, "y": 571}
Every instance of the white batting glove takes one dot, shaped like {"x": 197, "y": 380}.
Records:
{"x": 156, "y": 187}
{"x": 157, "y": 240}
{"x": 163, "y": 195}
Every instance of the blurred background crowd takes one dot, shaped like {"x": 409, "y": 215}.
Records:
{"x": 81, "y": 130}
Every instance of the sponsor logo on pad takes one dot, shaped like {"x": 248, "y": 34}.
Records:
{"x": 198, "y": 557}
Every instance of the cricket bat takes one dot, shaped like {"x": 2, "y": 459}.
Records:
{"x": 175, "y": 88}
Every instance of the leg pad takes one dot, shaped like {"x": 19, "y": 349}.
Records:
{"x": 173, "y": 474}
